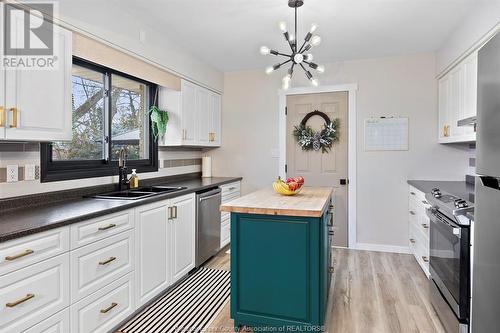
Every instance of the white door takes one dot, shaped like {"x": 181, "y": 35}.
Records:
{"x": 170, "y": 101}
{"x": 456, "y": 101}
{"x": 317, "y": 168}
{"x": 215, "y": 118}
{"x": 38, "y": 102}
{"x": 203, "y": 111}
{"x": 152, "y": 243}
{"x": 444, "y": 107}
{"x": 470, "y": 90}
{"x": 189, "y": 116}
{"x": 183, "y": 235}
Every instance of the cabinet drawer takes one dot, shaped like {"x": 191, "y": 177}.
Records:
{"x": 229, "y": 197}
{"x": 99, "y": 228}
{"x": 416, "y": 194}
{"x": 21, "y": 252}
{"x": 34, "y": 293}
{"x": 105, "y": 309}
{"x": 225, "y": 216}
{"x": 95, "y": 265}
{"x": 231, "y": 188}
{"x": 225, "y": 234}
{"x": 58, "y": 323}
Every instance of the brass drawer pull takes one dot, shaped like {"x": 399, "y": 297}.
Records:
{"x": 425, "y": 259}
{"x": 20, "y": 255}
{"x": 425, "y": 226}
{"x": 412, "y": 241}
{"x": 109, "y": 226}
{"x": 174, "y": 209}
{"x": 14, "y": 117}
{"x": 19, "y": 301}
{"x": 109, "y": 308}
{"x": 412, "y": 212}
{"x": 105, "y": 262}
{"x": 412, "y": 193}
{"x": 232, "y": 188}
{"x": 2, "y": 116}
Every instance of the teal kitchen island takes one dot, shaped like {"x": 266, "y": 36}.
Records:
{"x": 280, "y": 260}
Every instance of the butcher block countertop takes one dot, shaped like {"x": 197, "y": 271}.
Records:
{"x": 310, "y": 202}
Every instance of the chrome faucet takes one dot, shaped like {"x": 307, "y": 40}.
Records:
{"x": 122, "y": 170}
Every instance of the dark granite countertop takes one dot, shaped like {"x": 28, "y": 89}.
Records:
{"x": 460, "y": 189}
{"x": 21, "y": 222}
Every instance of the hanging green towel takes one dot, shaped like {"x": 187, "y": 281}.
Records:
{"x": 159, "y": 119}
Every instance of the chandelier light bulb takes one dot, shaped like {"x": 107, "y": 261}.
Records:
{"x": 298, "y": 58}
{"x": 315, "y": 40}
{"x": 314, "y": 26}
{"x": 264, "y": 50}
{"x": 314, "y": 82}
{"x": 285, "y": 83}
{"x": 282, "y": 26}
{"x": 308, "y": 57}
{"x": 321, "y": 69}
{"x": 269, "y": 70}
{"x": 291, "y": 38}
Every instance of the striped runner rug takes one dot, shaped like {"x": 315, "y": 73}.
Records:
{"x": 188, "y": 307}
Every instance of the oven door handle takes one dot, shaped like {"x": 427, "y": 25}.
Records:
{"x": 435, "y": 216}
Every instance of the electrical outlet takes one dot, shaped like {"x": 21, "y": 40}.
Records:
{"x": 12, "y": 173}
{"x": 29, "y": 172}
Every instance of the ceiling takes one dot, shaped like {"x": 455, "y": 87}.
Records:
{"x": 228, "y": 33}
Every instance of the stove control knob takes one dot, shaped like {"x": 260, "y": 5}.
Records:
{"x": 460, "y": 203}
{"x": 436, "y": 193}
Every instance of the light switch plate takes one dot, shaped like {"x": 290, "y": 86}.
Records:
{"x": 12, "y": 173}
{"x": 29, "y": 172}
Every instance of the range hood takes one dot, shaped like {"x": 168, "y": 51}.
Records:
{"x": 471, "y": 121}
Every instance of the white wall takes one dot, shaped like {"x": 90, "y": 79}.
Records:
{"x": 404, "y": 86}
{"x": 115, "y": 24}
{"x": 476, "y": 25}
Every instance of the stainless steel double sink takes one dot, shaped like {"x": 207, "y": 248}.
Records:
{"x": 139, "y": 193}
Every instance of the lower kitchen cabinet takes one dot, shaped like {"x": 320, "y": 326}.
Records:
{"x": 58, "y": 323}
{"x": 230, "y": 192}
{"x": 34, "y": 293}
{"x": 105, "y": 309}
{"x": 152, "y": 244}
{"x": 419, "y": 224}
{"x": 183, "y": 235}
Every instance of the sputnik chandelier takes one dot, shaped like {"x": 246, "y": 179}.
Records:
{"x": 299, "y": 56}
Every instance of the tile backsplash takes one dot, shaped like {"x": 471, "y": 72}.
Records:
{"x": 172, "y": 162}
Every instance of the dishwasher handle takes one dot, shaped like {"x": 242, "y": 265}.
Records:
{"x": 209, "y": 197}
{"x": 209, "y": 194}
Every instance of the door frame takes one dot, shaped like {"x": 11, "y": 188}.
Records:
{"x": 351, "y": 89}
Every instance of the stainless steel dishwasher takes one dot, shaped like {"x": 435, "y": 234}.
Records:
{"x": 208, "y": 224}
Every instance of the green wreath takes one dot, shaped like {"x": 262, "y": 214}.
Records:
{"x": 308, "y": 139}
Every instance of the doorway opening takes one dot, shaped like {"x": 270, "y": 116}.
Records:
{"x": 335, "y": 168}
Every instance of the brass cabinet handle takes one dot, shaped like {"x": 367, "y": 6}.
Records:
{"x": 425, "y": 226}
{"x": 412, "y": 241}
{"x": 19, "y": 301}
{"x": 169, "y": 214}
{"x": 412, "y": 212}
{"x": 19, "y": 255}
{"x": 106, "y": 310}
{"x": 2, "y": 116}
{"x": 109, "y": 226}
{"x": 14, "y": 117}
{"x": 174, "y": 212}
{"x": 425, "y": 259}
{"x": 107, "y": 261}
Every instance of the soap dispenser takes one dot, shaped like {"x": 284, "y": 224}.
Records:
{"x": 134, "y": 179}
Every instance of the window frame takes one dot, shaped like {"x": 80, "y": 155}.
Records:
{"x": 76, "y": 169}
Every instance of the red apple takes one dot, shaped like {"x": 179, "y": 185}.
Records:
{"x": 299, "y": 180}
{"x": 289, "y": 180}
{"x": 293, "y": 186}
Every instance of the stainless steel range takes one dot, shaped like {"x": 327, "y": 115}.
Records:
{"x": 450, "y": 243}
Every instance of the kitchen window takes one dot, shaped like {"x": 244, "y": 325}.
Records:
{"x": 110, "y": 112}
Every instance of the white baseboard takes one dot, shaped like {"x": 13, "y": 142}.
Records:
{"x": 381, "y": 248}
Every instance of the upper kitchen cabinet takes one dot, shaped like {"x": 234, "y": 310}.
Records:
{"x": 36, "y": 103}
{"x": 457, "y": 101}
{"x": 194, "y": 116}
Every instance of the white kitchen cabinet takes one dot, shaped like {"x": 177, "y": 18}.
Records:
{"x": 38, "y": 102}
{"x": 58, "y": 323}
{"x": 31, "y": 294}
{"x": 194, "y": 116}
{"x": 418, "y": 226}
{"x": 152, "y": 236}
{"x": 103, "y": 310}
{"x": 230, "y": 192}
{"x": 458, "y": 100}
{"x": 183, "y": 236}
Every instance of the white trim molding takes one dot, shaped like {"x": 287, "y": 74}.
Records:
{"x": 351, "y": 89}
{"x": 382, "y": 248}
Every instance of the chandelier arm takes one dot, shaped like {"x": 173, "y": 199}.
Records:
{"x": 284, "y": 54}
{"x": 285, "y": 62}
{"x": 287, "y": 38}
{"x": 303, "y": 44}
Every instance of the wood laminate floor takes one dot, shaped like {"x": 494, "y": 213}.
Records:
{"x": 372, "y": 292}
